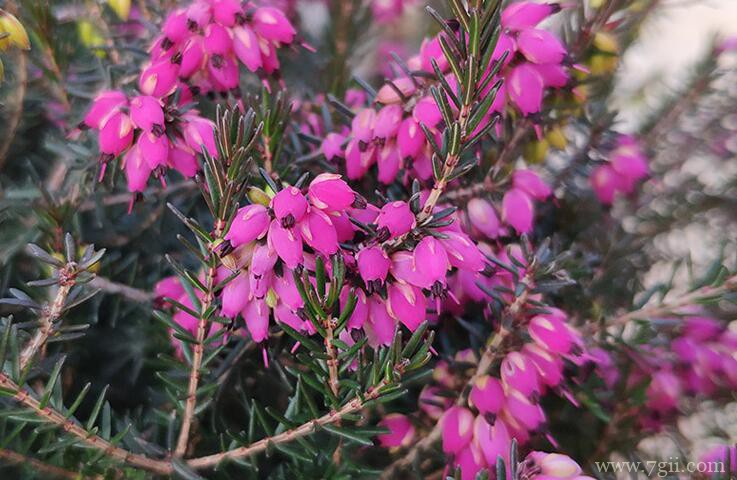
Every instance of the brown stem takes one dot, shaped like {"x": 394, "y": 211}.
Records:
{"x": 690, "y": 298}
{"x": 194, "y": 374}
{"x": 47, "y": 320}
{"x": 15, "y": 458}
{"x": 114, "y": 288}
{"x": 332, "y": 360}
{"x": 289, "y": 435}
{"x": 72, "y": 427}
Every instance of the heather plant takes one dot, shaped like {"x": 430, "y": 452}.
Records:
{"x": 236, "y": 245}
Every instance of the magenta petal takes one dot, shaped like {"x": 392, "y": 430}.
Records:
{"x": 541, "y": 46}
{"x": 154, "y": 149}
{"x": 250, "y": 223}
{"x": 289, "y": 201}
{"x": 235, "y": 296}
{"x": 318, "y": 231}
{"x": 431, "y": 260}
{"x": 525, "y": 88}
{"x": 103, "y": 107}
{"x": 287, "y": 242}
{"x": 457, "y": 429}
{"x": 518, "y": 210}
{"x": 373, "y": 263}
{"x": 379, "y": 325}
{"x": 328, "y": 191}
{"x": 256, "y": 315}
{"x": 407, "y": 304}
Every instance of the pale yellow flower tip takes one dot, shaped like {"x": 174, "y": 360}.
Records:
{"x": 122, "y": 8}
{"x": 16, "y": 34}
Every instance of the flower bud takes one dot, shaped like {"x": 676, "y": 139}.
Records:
{"x": 431, "y": 260}
{"x": 289, "y": 206}
{"x": 525, "y": 88}
{"x": 246, "y": 47}
{"x": 235, "y": 296}
{"x": 462, "y": 252}
{"x": 410, "y": 138}
{"x": 526, "y": 14}
{"x": 256, "y": 315}
{"x": 387, "y": 121}
{"x": 540, "y": 46}
{"x": 318, "y": 231}
{"x": 551, "y": 333}
{"x": 555, "y": 465}
{"x": 159, "y": 79}
{"x": 493, "y": 440}
{"x": 271, "y": 24}
{"x": 362, "y": 125}
{"x": 137, "y": 170}
{"x": 146, "y": 112}
{"x": 531, "y": 183}
{"x": 16, "y": 33}
{"x": 103, "y": 107}
{"x": 116, "y": 135}
{"x": 198, "y": 133}
{"x": 520, "y": 374}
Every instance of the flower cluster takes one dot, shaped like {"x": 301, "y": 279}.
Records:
{"x": 388, "y": 134}
{"x": 151, "y": 135}
{"x": 203, "y": 43}
{"x": 394, "y": 271}
{"x": 627, "y": 166}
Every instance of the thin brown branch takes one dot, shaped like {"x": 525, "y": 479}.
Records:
{"x": 194, "y": 374}
{"x": 689, "y": 298}
{"x": 14, "y": 458}
{"x": 131, "y": 293}
{"x": 290, "y": 435}
{"x": 48, "y": 318}
{"x": 73, "y": 428}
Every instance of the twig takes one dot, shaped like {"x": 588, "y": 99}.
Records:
{"x": 131, "y": 293}
{"x": 687, "y": 299}
{"x": 289, "y": 435}
{"x": 67, "y": 279}
{"x": 72, "y": 427}
{"x": 12, "y": 457}
{"x": 194, "y": 374}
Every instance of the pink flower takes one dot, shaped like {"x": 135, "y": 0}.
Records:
{"x": 199, "y": 132}
{"x": 362, "y": 126}
{"x": 540, "y": 46}
{"x": 483, "y": 217}
{"x": 246, "y": 47}
{"x": 388, "y": 94}
{"x": 137, "y": 170}
{"x": 154, "y": 149}
{"x": 410, "y": 138}
{"x": 319, "y": 233}
{"x": 431, "y": 260}
{"x": 373, "y": 264}
{"x": 526, "y": 14}
{"x": 401, "y": 431}
{"x": 551, "y": 333}
{"x": 217, "y": 40}
{"x": 387, "y": 121}
{"x": 103, "y": 107}
{"x": 159, "y": 79}
{"x": 328, "y": 191}
{"x": 457, "y": 428}
{"x": 555, "y": 465}
{"x": 606, "y": 183}
{"x": 531, "y": 183}
{"x": 379, "y": 325}
{"x": 518, "y": 210}
{"x": 462, "y": 252}
{"x": 271, "y": 24}
{"x": 396, "y": 218}
{"x": 256, "y": 315}
{"x": 116, "y": 134}
{"x": 487, "y": 395}
{"x": 146, "y": 113}
{"x": 287, "y": 242}
{"x": 193, "y": 57}
{"x": 664, "y": 391}
{"x": 471, "y": 460}
{"x": 407, "y": 304}
{"x": 388, "y": 163}
{"x": 493, "y": 440}
{"x": 289, "y": 206}
{"x": 528, "y": 414}
{"x": 234, "y": 296}
{"x": 250, "y": 223}
{"x": 332, "y": 146}
{"x": 520, "y": 374}
{"x": 525, "y": 88}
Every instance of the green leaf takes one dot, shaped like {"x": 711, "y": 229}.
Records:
{"x": 349, "y": 434}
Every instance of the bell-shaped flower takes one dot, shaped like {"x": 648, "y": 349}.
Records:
{"x": 457, "y": 429}
{"x": 198, "y": 133}
{"x": 235, "y": 296}
{"x": 388, "y": 163}
{"x": 373, "y": 264}
{"x": 525, "y": 88}
{"x": 526, "y": 14}
{"x": 531, "y": 183}
{"x": 379, "y": 325}
{"x": 103, "y": 107}
{"x": 246, "y": 47}
{"x": 332, "y": 146}
{"x": 483, "y": 217}
{"x": 159, "y": 79}
{"x": 328, "y": 191}
{"x": 183, "y": 159}
{"x": 487, "y": 395}
{"x": 555, "y": 465}
{"x": 287, "y": 243}
{"x": 407, "y": 304}
{"x": 401, "y": 431}
{"x": 462, "y": 252}
{"x": 387, "y": 121}
{"x": 116, "y": 135}
{"x": 256, "y": 315}
{"x": 551, "y": 333}
{"x": 217, "y": 40}
{"x": 493, "y": 440}
{"x": 519, "y": 373}
{"x": 540, "y": 46}
{"x": 153, "y": 148}
{"x": 319, "y": 233}
{"x": 272, "y": 24}
{"x": 146, "y": 112}
{"x": 397, "y": 218}
{"x": 518, "y": 210}
{"x": 289, "y": 206}
{"x": 431, "y": 260}
{"x": 390, "y": 93}
{"x": 193, "y": 57}
{"x": 410, "y": 138}
{"x": 137, "y": 170}
{"x": 362, "y": 125}
{"x": 519, "y": 406}
{"x": 250, "y": 223}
